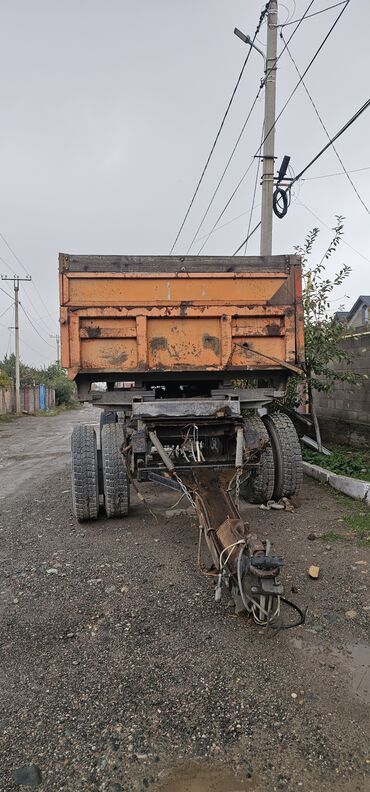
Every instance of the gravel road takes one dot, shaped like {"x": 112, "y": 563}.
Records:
{"x": 119, "y": 672}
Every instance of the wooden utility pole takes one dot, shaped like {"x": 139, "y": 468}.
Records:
{"x": 269, "y": 130}
{"x": 16, "y": 281}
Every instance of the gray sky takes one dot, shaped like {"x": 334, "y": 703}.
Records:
{"x": 109, "y": 109}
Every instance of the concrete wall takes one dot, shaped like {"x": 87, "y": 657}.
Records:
{"x": 345, "y": 412}
{"x": 30, "y": 399}
{"x": 6, "y": 400}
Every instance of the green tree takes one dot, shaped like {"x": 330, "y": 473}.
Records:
{"x": 52, "y": 375}
{"x": 323, "y": 333}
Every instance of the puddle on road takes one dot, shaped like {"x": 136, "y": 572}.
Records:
{"x": 201, "y": 778}
{"x": 355, "y": 658}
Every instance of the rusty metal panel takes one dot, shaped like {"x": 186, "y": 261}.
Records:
{"x": 130, "y": 322}
{"x": 178, "y": 342}
{"x": 142, "y": 289}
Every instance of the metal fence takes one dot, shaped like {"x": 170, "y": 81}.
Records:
{"x": 34, "y": 398}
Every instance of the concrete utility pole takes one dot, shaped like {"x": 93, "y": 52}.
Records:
{"x": 56, "y": 336}
{"x": 16, "y": 280}
{"x": 269, "y": 131}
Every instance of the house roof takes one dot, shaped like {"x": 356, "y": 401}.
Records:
{"x": 363, "y": 299}
{"x": 341, "y": 315}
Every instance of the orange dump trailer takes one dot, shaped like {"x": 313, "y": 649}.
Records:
{"x": 186, "y": 355}
{"x": 160, "y": 318}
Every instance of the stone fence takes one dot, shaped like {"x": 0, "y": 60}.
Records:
{"x": 344, "y": 413}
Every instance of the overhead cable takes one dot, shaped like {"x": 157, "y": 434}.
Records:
{"x": 338, "y": 173}
{"x": 326, "y": 131}
{"x": 6, "y": 310}
{"x": 253, "y": 199}
{"x": 262, "y": 16}
{"x": 280, "y": 114}
{"x": 34, "y": 326}
{"x": 7, "y": 293}
{"x": 32, "y": 281}
{"x": 237, "y": 142}
{"x": 300, "y": 203}
{"x": 309, "y": 16}
{"x": 248, "y": 237}
{"x": 332, "y": 140}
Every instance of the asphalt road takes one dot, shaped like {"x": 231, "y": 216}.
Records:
{"x": 119, "y": 672}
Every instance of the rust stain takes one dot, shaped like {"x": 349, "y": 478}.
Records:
{"x": 273, "y": 329}
{"x": 93, "y": 332}
{"x": 160, "y": 342}
{"x": 184, "y": 305}
{"x": 211, "y": 342}
{"x": 116, "y": 360}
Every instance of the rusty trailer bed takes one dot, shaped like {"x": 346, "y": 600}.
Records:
{"x": 144, "y": 317}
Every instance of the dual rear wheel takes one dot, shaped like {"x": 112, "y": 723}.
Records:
{"x": 89, "y": 478}
{"x": 279, "y": 473}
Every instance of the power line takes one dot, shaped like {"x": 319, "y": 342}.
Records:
{"x": 281, "y": 112}
{"x": 245, "y": 241}
{"x": 7, "y": 293}
{"x": 34, "y": 327}
{"x": 333, "y": 139}
{"x": 224, "y": 172}
{"x": 338, "y": 173}
{"x": 27, "y": 273}
{"x": 6, "y": 310}
{"x": 326, "y": 131}
{"x": 262, "y": 142}
{"x": 262, "y": 16}
{"x": 253, "y": 199}
{"x": 300, "y": 203}
{"x": 308, "y": 16}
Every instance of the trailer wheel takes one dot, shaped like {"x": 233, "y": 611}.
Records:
{"x": 107, "y": 417}
{"x": 85, "y": 480}
{"x": 259, "y": 486}
{"x": 115, "y": 476}
{"x": 287, "y": 455}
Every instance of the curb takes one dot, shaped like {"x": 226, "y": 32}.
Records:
{"x": 354, "y": 488}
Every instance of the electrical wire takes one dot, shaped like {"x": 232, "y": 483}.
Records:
{"x": 32, "y": 281}
{"x": 281, "y": 111}
{"x": 7, "y": 293}
{"x": 253, "y": 199}
{"x": 6, "y": 310}
{"x": 34, "y": 327}
{"x": 325, "y": 130}
{"x": 262, "y": 16}
{"x": 333, "y": 139}
{"x": 300, "y": 203}
{"x": 224, "y": 171}
{"x": 247, "y": 239}
{"x": 338, "y": 173}
{"x": 309, "y": 16}
{"x": 262, "y": 142}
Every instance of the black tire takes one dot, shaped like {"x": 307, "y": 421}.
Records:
{"x": 115, "y": 476}
{"x": 259, "y": 486}
{"x": 107, "y": 417}
{"x": 85, "y": 480}
{"x": 287, "y": 455}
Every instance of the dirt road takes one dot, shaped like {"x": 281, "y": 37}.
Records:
{"x": 119, "y": 672}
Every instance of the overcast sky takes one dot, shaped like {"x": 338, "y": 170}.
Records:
{"x": 109, "y": 109}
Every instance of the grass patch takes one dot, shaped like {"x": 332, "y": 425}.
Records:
{"x": 344, "y": 461}
{"x": 359, "y": 524}
{"x": 332, "y": 536}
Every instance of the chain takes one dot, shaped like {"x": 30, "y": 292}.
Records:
{"x": 184, "y": 489}
{"x": 237, "y": 488}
